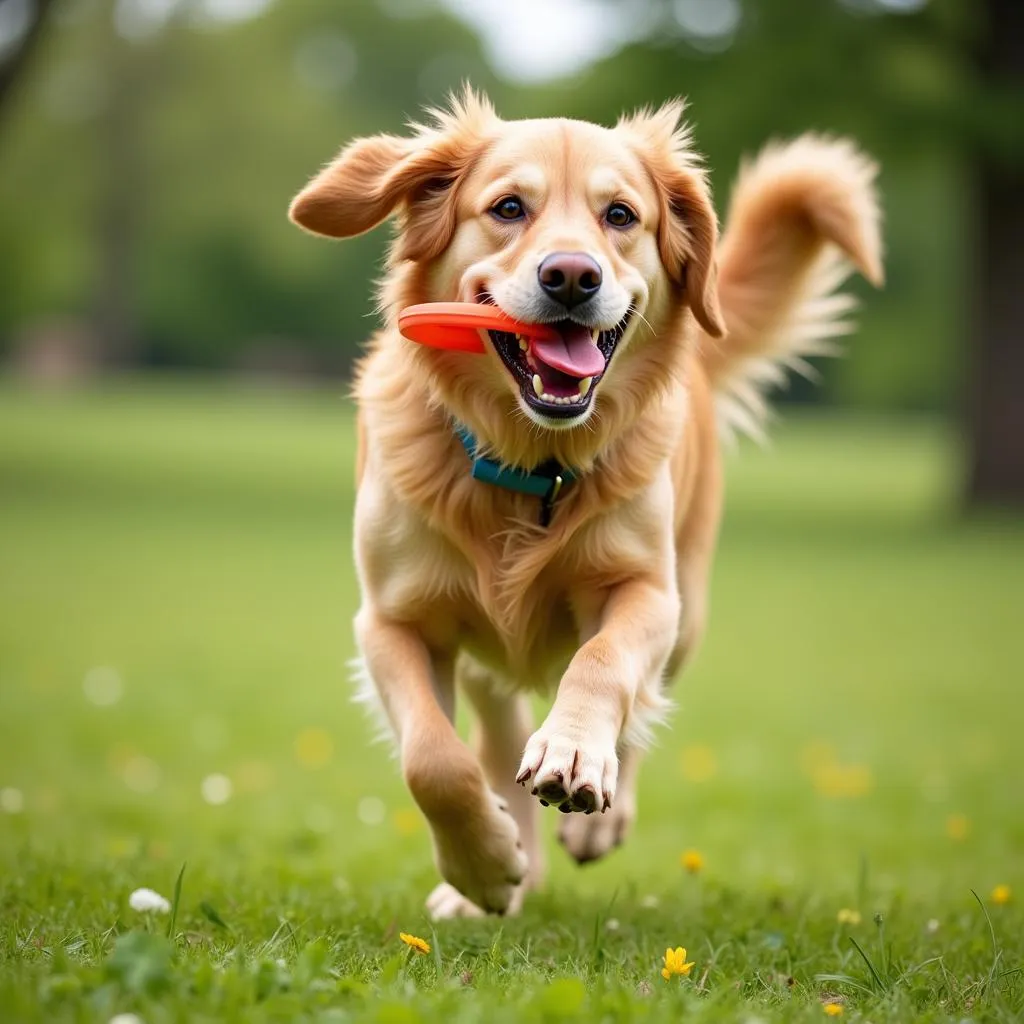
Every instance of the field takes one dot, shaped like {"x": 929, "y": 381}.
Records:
{"x": 175, "y": 597}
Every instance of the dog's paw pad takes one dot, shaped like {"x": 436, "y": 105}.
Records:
{"x": 571, "y": 774}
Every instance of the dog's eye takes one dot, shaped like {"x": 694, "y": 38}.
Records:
{"x": 509, "y": 208}
{"x": 619, "y": 215}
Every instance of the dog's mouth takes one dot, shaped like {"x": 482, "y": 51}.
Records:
{"x": 558, "y": 378}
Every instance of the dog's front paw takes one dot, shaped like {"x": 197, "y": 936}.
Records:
{"x": 573, "y": 772}
{"x": 481, "y": 857}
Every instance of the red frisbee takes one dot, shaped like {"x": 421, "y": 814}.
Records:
{"x": 456, "y": 325}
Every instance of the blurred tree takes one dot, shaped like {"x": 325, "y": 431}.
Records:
{"x": 150, "y": 158}
{"x": 996, "y": 403}
{"x": 150, "y": 151}
{"x": 26, "y": 19}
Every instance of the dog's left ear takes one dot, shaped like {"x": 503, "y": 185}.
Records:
{"x": 415, "y": 178}
{"x": 688, "y": 227}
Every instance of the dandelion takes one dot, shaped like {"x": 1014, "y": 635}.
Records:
{"x": 314, "y": 747}
{"x": 414, "y": 942}
{"x": 833, "y": 1009}
{"x": 698, "y": 763}
{"x": 933, "y": 925}
{"x": 848, "y": 916}
{"x": 125, "y": 1018}
{"x": 675, "y": 963}
{"x": 692, "y": 860}
{"x": 957, "y": 827}
{"x": 407, "y": 821}
{"x": 612, "y": 924}
{"x": 146, "y": 901}
{"x": 1001, "y": 895}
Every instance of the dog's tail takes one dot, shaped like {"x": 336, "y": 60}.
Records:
{"x": 802, "y": 216}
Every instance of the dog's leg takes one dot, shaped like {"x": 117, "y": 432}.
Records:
{"x": 571, "y": 761}
{"x": 590, "y": 837}
{"x": 476, "y": 841}
{"x": 503, "y": 723}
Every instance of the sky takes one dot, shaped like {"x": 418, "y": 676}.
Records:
{"x": 533, "y": 40}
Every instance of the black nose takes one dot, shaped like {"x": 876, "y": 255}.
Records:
{"x": 569, "y": 277}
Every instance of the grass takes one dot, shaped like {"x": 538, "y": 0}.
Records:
{"x": 849, "y": 738}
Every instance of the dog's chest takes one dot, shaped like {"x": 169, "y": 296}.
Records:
{"x": 517, "y": 603}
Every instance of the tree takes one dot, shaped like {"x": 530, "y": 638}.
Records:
{"x": 16, "y": 59}
{"x": 996, "y": 400}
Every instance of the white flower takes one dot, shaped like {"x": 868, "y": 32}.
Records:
{"x": 612, "y": 924}
{"x": 147, "y": 901}
{"x": 102, "y": 686}
{"x": 11, "y": 800}
{"x": 126, "y": 1018}
{"x": 371, "y": 810}
{"x": 216, "y": 789}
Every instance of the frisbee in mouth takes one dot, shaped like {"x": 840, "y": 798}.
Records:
{"x": 556, "y": 365}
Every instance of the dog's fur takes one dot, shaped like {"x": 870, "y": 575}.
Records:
{"x": 462, "y": 589}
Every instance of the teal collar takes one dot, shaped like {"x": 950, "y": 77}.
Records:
{"x": 544, "y": 482}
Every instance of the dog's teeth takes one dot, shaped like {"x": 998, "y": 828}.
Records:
{"x": 538, "y": 385}
{"x": 584, "y": 387}
{"x": 523, "y": 343}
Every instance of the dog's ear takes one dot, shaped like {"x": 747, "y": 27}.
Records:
{"x": 688, "y": 227}
{"x": 384, "y": 174}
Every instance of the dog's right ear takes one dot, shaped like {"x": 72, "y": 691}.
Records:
{"x": 417, "y": 177}
{"x": 357, "y": 190}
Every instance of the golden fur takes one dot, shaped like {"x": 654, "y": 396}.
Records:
{"x": 461, "y": 587}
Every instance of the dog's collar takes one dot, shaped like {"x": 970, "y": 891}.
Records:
{"x": 545, "y": 482}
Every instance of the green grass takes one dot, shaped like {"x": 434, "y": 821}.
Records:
{"x": 860, "y": 686}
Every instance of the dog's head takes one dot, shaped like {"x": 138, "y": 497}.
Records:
{"x": 608, "y": 234}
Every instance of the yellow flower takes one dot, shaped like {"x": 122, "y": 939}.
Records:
{"x": 692, "y": 861}
{"x": 833, "y": 1009}
{"x": 1001, "y": 895}
{"x": 957, "y": 827}
{"x": 407, "y": 821}
{"x": 420, "y": 945}
{"x": 314, "y": 747}
{"x": 698, "y": 763}
{"x": 675, "y": 963}
{"x": 848, "y": 916}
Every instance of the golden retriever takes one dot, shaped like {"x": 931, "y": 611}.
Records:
{"x": 669, "y": 335}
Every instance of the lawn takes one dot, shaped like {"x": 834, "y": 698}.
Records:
{"x": 175, "y": 596}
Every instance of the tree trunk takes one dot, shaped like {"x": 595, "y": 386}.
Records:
{"x": 996, "y": 406}
{"x": 13, "y": 66}
{"x": 115, "y": 317}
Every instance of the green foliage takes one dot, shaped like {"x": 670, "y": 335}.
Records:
{"x": 210, "y": 128}
{"x": 196, "y": 540}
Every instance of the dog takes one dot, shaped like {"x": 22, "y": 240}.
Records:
{"x": 544, "y": 517}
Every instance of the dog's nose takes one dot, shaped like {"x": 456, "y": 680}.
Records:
{"x": 569, "y": 277}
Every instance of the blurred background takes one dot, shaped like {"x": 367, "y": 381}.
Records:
{"x": 176, "y": 583}
{"x": 148, "y": 150}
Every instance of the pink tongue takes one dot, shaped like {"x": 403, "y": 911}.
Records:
{"x": 574, "y": 352}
